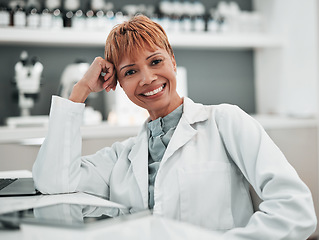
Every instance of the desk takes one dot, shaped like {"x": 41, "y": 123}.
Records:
{"x": 146, "y": 227}
{"x": 143, "y": 228}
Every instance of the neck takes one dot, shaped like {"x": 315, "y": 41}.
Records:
{"x": 175, "y": 103}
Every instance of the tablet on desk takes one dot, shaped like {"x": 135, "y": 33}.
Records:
{"x": 67, "y": 215}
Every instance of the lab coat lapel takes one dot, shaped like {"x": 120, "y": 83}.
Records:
{"x": 139, "y": 160}
{"x": 184, "y": 132}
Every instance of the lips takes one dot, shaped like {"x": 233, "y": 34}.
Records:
{"x": 153, "y": 92}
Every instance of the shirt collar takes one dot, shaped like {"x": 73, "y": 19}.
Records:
{"x": 162, "y": 125}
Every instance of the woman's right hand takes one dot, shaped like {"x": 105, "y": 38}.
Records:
{"x": 99, "y": 76}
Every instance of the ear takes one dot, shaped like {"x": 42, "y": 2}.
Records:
{"x": 174, "y": 62}
{"x": 119, "y": 82}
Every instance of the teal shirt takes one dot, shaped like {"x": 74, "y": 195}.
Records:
{"x": 161, "y": 132}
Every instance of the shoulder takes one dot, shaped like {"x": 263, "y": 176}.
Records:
{"x": 230, "y": 117}
{"x": 125, "y": 144}
{"x": 197, "y": 112}
{"x": 218, "y": 109}
{"x": 226, "y": 111}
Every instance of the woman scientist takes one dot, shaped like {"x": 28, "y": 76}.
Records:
{"x": 189, "y": 162}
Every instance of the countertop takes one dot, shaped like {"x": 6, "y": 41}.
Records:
{"x": 36, "y": 134}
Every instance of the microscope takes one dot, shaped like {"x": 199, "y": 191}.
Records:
{"x": 28, "y": 73}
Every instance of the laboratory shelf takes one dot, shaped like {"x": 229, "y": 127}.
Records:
{"x": 224, "y": 41}
{"x": 90, "y": 38}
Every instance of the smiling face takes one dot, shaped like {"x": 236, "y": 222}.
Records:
{"x": 149, "y": 81}
{"x": 145, "y": 65}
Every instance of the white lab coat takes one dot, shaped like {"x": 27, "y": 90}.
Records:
{"x": 203, "y": 178}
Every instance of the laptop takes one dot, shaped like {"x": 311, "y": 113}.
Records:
{"x": 17, "y": 187}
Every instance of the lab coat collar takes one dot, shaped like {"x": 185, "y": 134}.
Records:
{"x": 194, "y": 112}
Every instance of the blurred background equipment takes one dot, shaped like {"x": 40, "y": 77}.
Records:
{"x": 28, "y": 74}
{"x": 173, "y": 15}
{"x": 70, "y": 76}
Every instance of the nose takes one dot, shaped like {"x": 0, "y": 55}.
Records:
{"x": 147, "y": 76}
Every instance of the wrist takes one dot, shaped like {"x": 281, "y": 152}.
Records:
{"x": 79, "y": 93}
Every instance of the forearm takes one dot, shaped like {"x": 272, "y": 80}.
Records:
{"x": 287, "y": 210}
{"x": 57, "y": 167}
{"x": 79, "y": 93}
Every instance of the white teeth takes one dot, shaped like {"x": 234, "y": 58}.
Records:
{"x": 154, "y": 91}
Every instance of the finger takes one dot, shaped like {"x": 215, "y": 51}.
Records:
{"x": 106, "y": 66}
{"x": 109, "y": 74}
{"x": 109, "y": 78}
{"x": 106, "y": 75}
{"x": 108, "y": 88}
{"x": 113, "y": 81}
{"x": 105, "y": 85}
{"x": 112, "y": 84}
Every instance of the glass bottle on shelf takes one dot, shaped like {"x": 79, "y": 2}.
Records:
{"x": 33, "y": 17}
{"x": 199, "y": 24}
{"x": 186, "y": 20}
{"x": 19, "y": 17}
{"x": 78, "y": 21}
{"x": 110, "y": 20}
{"x": 4, "y": 16}
{"x": 45, "y": 19}
{"x": 70, "y": 7}
{"x": 119, "y": 17}
{"x": 57, "y": 19}
{"x": 212, "y": 22}
{"x": 33, "y": 13}
{"x": 96, "y": 15}
{"x": 54, "y": 18}
{"x": 166, "y": 11}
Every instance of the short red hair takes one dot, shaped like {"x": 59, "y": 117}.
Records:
{"x": 134, "y": 35}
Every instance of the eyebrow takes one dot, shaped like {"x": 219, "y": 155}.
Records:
{"x": 130, "y": 65}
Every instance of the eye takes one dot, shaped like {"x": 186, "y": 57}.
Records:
{"x": 129, "y": 72}
{"x": 156, "y": 61}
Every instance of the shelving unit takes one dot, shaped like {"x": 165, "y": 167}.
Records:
{"x": 276, "y": 52}
{"x": 73, "y": 37}
{"x": 68, "y": 37}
